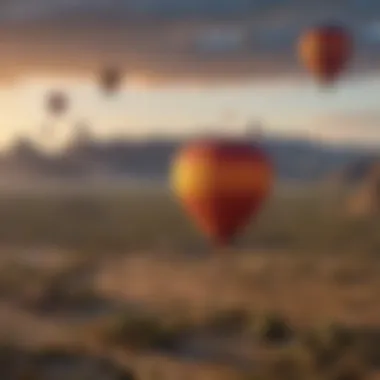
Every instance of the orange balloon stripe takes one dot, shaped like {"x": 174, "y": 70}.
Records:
{"x": 309, "y": 51}
{"x": 197, "y": 178}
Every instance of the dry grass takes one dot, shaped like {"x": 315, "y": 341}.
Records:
{"x": 307, "y": 289}
{"x": 134, "y": 283}
{"x": 125, "y": 221}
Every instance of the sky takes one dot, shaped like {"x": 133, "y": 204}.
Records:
{"x": 190, "y": 66}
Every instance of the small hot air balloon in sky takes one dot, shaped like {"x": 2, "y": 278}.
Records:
{"x": 110, "y": 80}
{"x": 325, "y": 52}
{"x": 57, "y": 103}
{"x": 222, "y": 184}
{"x": 254, "y": 131}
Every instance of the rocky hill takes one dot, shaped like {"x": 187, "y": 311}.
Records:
{"x": 297, "y": 160}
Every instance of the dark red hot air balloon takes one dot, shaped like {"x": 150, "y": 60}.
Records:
{"x": 325, "y": 51}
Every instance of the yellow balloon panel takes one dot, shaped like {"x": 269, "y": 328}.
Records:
{"x": 309, "y": 50}
{"x": 197, "y": 178}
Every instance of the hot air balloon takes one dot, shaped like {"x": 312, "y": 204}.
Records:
{"x": 254, "y": 131}
{"x": 56, "y": 103}
{"x": 221, "y": 184}
{"x": 325, "y": 51}
{"x": 110, "y": 80}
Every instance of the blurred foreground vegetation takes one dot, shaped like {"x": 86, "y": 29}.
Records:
{"x": 297, "y": 299}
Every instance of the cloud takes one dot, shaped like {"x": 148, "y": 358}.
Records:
{"x": 359, "y": 126}
{"x": 172, "y": 39}
{"x": 363, "y": 120}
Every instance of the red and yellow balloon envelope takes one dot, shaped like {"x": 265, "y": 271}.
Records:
{"x": 222, "y": 185}
{"x": 325, "y": 51}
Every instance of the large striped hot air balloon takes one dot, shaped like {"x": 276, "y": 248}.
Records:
{"x": 222, "y": 184}
{"x": 325, "y": 51}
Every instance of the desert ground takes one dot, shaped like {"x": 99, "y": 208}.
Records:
{"x": 119, "y": 284}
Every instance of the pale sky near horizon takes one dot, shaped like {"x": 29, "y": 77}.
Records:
{"x": 289, "y": 106}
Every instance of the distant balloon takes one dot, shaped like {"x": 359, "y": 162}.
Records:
{"x": 221, "y": 184}
{"x": 254, "y": 131}
{"x": 110, "y": 80}
{"x": 325, "y": 51}
{"x": 57, "y": 103}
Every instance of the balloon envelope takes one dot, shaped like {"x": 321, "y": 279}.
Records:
{"x": 325, "y": 51}
{"x": 221, "y": 184}
{"x": 57, "y": 103}
{"x": 110, "y": 80}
